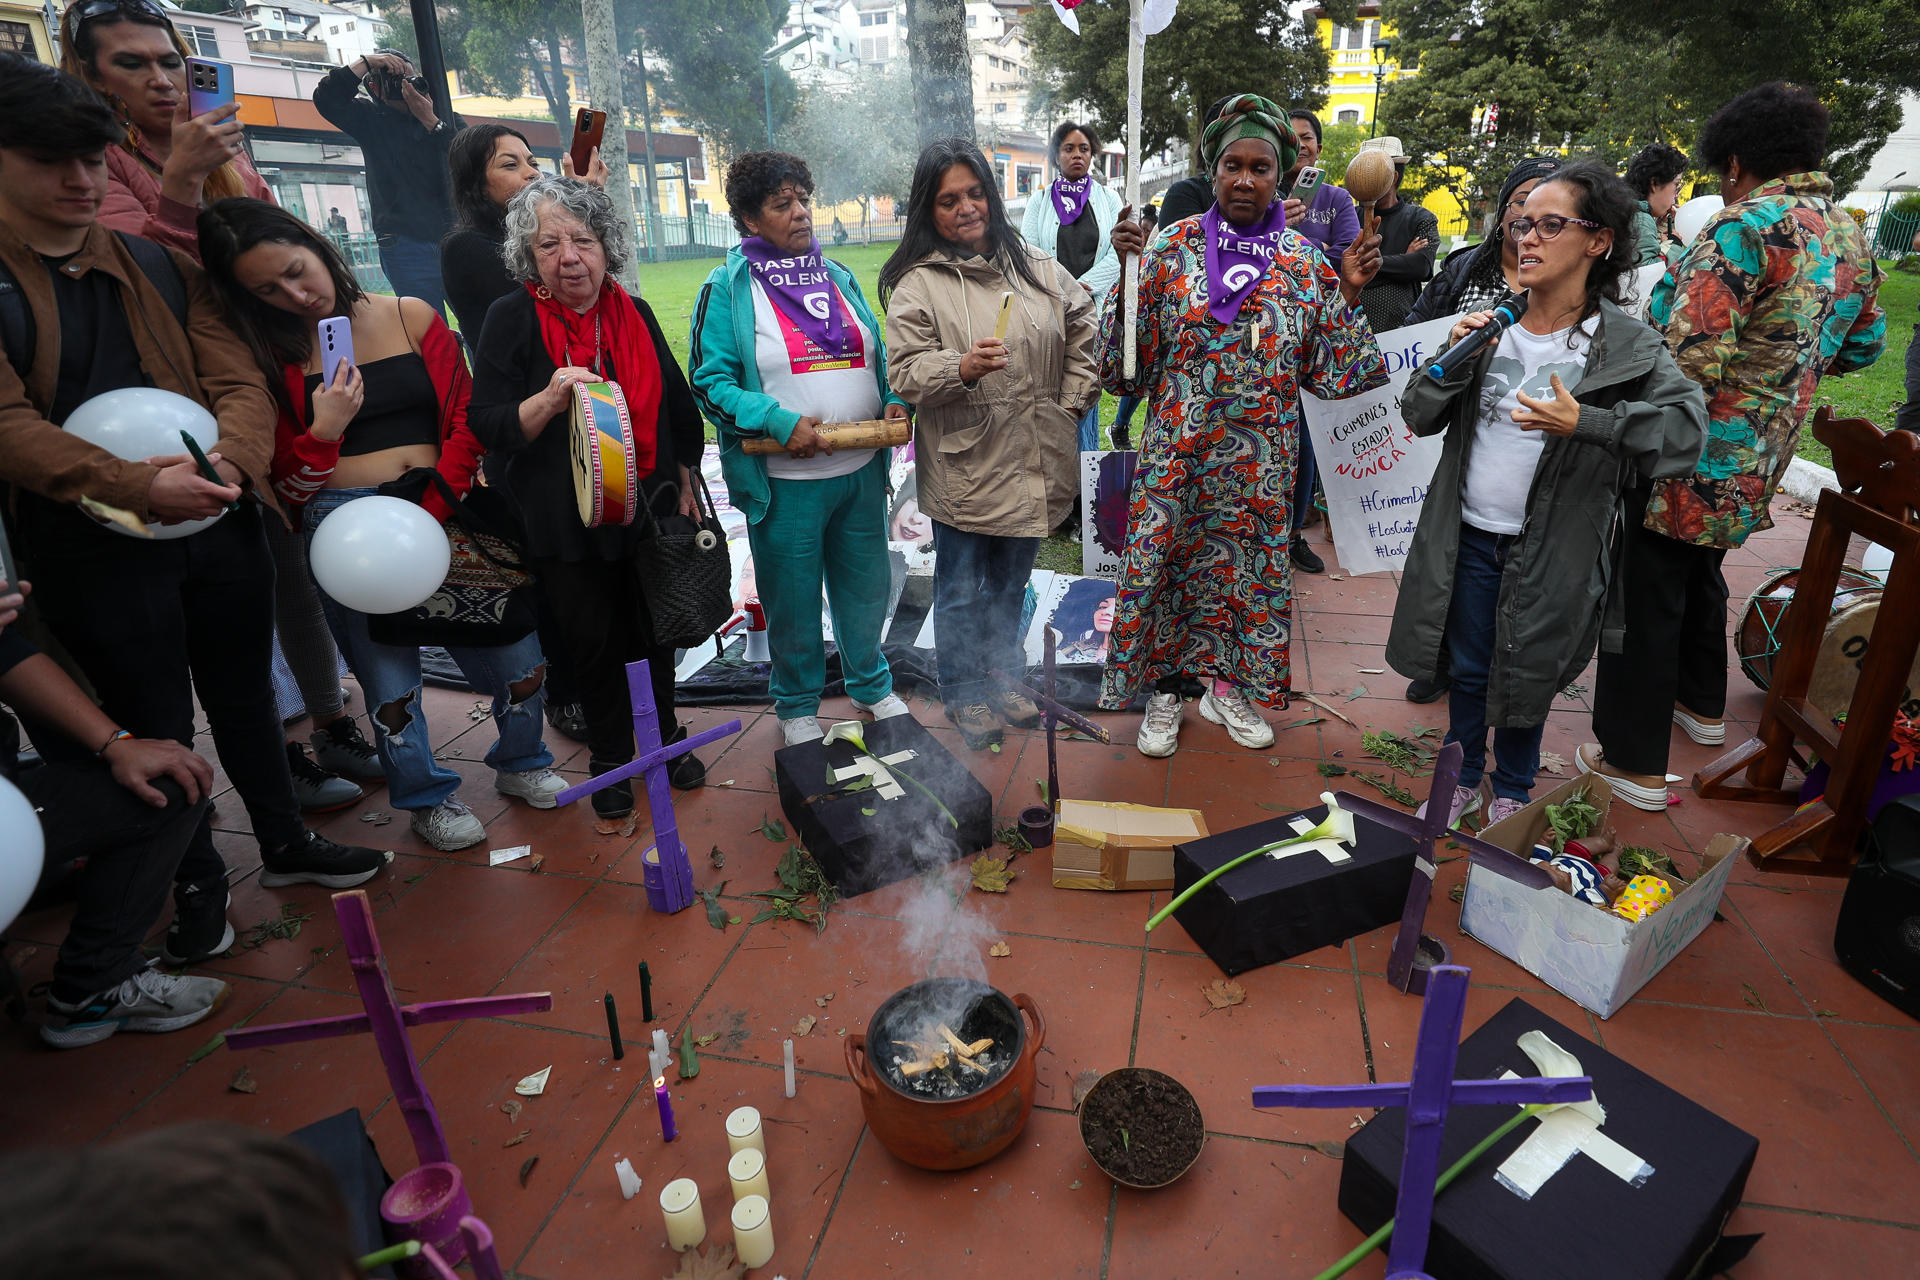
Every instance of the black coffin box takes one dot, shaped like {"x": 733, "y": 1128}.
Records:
{"x": 1270, "y": 909}
{"x": 862, "y": 840}
{"x": 1585, "y": 1223}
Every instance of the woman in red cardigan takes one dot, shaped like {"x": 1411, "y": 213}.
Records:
{"x": 400, "y": 404}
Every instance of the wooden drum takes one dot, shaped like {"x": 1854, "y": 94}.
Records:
{"x": 1836, "y": 669}
{"x": 606, "y": 483}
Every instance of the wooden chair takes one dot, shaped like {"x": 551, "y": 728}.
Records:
{"x": 1879, "y": 474}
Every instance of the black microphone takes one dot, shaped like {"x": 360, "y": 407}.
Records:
{"x": 1504, "y": 317}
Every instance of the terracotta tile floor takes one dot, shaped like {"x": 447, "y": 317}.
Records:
{"x": 1755, "y": 1019}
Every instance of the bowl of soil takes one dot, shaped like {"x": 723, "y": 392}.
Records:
{"x": 1142, "y": 1127}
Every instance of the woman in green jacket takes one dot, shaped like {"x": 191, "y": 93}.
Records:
{"x": 783, "y": 340}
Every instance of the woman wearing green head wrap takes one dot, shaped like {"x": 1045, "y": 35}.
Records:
{"x": 1238, "y": 315}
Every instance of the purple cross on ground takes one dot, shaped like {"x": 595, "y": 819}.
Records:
{"x": 1426, "y": 1098}
{"x": 1054, "y": 713}
{"x": 668, "y": 870}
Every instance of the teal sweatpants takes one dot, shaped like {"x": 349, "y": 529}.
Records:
{"x": 831, "y": 532}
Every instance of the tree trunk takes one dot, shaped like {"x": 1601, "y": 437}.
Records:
{"x": 942, "y": 68}
{"x": 553, "y": 84}
{"x": 608, "y": 95}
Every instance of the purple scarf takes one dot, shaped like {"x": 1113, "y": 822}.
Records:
{"x": 801, "y": 290}
{"x": 1237, "y": 260}
{"x": 1070, "y": 198}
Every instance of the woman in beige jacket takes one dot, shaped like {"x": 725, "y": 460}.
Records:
{"x": 995, "y": 430}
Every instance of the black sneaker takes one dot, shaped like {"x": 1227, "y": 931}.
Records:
{"x": 200, "y": 926}
{"x": 569, "y": 720}
{"x": 685, "y": 772}
{"x": 1303, "y": 557}
{"x": 1428, "y": 690}
{"x": 314, "y": 859}
{"x": 613, "y": 802}
{"x": 317, "y": 790}
{"x": 1121, "y": 438}
{"x": 341, "y": 748}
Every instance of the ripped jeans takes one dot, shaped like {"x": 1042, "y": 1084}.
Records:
{"x": 389, "y": 676}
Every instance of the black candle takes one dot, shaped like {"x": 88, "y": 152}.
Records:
{"x": 613, "y": 1030}
{"x": 646, "y": 993}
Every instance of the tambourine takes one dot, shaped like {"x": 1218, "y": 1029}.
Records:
{"x": 606, "y": 483}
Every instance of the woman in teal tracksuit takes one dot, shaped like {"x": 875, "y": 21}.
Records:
{"x": 783, "y": 340}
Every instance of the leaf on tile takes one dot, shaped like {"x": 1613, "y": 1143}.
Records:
{"x": 717, "y": 858}
{"x": 376, "y": 818}
{"x": 536, "y": 862}
{"x": 1328, "y": 707}
{"x": 772, "y": 828}
{"x": 1223, "y": 993}
{"x": 1458, "y": 893}
{"x": 477, "y": 712}
{"x": 1553, "y": 762}
{"x": 821, "y": 1001}
{"x": 1000, "y": 950}
{"x": 207, "y": 1048}
{"x": 534, "y": 1085}
{"x": 517, "y": 1138}
{"x": 1753, "y": 997}
{"x": 805, "y": 1025}
{"x": 1331, "y": 1150}
{"x": 990, "y": 875}
{"x": 1328, "y": 769}
{"x": 718, "y": 1265}
{"x": 1359, "y": 691}
{"x": 1303, "y": 723}
{"x": 622, "y": 827}
{"x": 716, "y": 914}
{"x": 1083, "y": 1084}
{"x": 512, "y": 1108}
{"x": 707, "y": 1039}
{"x": 243, "y": 1082}
{"x": 526, "y": 1169}
{"x": 689, "y": 1059}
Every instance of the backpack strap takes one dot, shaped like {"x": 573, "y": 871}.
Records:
{"x": 161, "y": 272}
{"x": 18, "y": 335}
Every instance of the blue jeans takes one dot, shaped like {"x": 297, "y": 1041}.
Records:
{"x": 389, "y": 675}
{"x": 1303, "y": 479}
{"x": 979, "y": 584}
{"x": 1471, "y": 621}
{"x": 1089, "y": 433}
{"x": 1123, "y": 415}
{"x": 413, "y": 269}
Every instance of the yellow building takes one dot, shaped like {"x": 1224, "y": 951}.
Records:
{"x": 23, "y": 29}
{"x": 1360, "y": 67}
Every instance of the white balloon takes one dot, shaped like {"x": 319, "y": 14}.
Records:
{"x": 379, "y": 554}
{"x": 1693, "y": 215}
{"x": 22, "y": 851}
{"x": 137, "y": 423}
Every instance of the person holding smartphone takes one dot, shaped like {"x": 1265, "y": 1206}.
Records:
{"x": 405, "y": 147}
{"x": 170, "y": 162}
{"x": 1073, "y": 220}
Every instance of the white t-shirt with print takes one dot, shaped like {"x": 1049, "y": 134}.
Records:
{"x": 814, "y": 384}
{"x": 1500, "y": 468}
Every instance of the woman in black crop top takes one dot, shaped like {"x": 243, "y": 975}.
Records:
{"x": 402, "y": 406}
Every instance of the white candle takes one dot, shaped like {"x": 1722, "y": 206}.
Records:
{"x": 662, "y": 1052}
{"x": 748, "y": 1173}
{"x": 743, "y": 1130}
{"x": 789, "y": 1049}
{"x": 752, "y": 1232}
{"x": 680, "y": 1206}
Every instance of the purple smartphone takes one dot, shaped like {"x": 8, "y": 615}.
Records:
{"x": 336, "y": 345}
{"x": 209, "y": 85}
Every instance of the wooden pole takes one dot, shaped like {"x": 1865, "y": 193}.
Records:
{"x": 1130, "y": 282}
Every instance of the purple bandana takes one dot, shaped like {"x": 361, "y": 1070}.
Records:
{"x": 801, "y": 290}
{"x": 1070, "y": 198}
{"x": 1238, "y": 260}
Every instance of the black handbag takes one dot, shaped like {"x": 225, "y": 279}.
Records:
{"x": 485, "y": 600}
{"x": 686, "y": 573}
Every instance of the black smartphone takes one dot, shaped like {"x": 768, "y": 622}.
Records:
{"x": 206, "y": 468}
{"x": 9, "y": 574}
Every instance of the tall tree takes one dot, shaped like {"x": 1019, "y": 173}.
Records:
{"x": 501, "y": 47}
{"x": 858, "y": 141}
{"x": 942, "y": 68}
{"x": 1213, "y": 48}
{"x": 603, "y": 69}
{"x": 713, "y": 50}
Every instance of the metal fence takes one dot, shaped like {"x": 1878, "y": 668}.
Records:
{"x": 362, "y": 253}
{"x": 1892, "y": 232}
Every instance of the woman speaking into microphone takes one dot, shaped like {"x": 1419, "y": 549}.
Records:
{"x": 573, "y": 324}
{"x": 783, "y": 341}
{"x": 1510, "y": 566}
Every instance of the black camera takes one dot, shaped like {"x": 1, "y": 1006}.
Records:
{"x": 389, "y": 86}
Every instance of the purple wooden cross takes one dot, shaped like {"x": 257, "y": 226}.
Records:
{"x": 1426, "y": 1098}
{"x": 1053, "y": 712}
{"x": 669, "y": 872}
{"x": 1410, "y": 944}
{"x": 387, "y": 1019}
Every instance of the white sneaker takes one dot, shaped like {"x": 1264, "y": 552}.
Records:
{"x": 803, "y": 729}
{"x": 885, "y": 709}
{"x": 537, "y": 787}
{"x": 448, "y": 826}
{"x": 1466, "y": 800}
{"x": 148, "y": 1001}
{"x": 1708, "y": 733}
{"x": 1502, "y": 808}
{"x": 1160, "y": 727}
{"x": 1236, "y": 711}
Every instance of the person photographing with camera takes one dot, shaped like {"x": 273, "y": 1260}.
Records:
{"x": 405, "y": 146}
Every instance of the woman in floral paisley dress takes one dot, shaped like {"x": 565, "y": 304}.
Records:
{"x": 1238, "y": 315}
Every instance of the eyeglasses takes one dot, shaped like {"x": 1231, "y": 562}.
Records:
{"x": 101, "y": 8}
{"x": 1549, "y": 227}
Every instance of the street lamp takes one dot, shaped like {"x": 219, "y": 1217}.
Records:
{"x": 767, "y": 60}
{"x": 1380, "y": 46}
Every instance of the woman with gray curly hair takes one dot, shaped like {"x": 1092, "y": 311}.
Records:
{"x": 572, "y": 324}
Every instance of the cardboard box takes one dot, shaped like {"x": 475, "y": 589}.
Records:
{"x": 1589, "y": 955}
{"x": 1100, "y": 844}
{"x": 1584, "y": 1222}
{"x": 1271, "y": 909}
{"x": 864, "y": 839}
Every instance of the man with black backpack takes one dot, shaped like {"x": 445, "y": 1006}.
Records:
{"x": 151, "y": 623}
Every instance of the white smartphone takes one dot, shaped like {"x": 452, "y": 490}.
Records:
{"x": 1307, "y": 184}
{"x": 336, "y": 345}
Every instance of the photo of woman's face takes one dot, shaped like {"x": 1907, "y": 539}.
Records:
{"x": 1103, "y": 616}
{"x": 909, "y": 525}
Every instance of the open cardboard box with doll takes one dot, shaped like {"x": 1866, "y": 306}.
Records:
{"x": 1585, "y": 952}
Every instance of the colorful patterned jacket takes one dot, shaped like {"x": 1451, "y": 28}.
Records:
{"x": 1774, "y": 292}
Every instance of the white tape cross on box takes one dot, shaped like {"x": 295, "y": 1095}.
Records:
{"x": 874, "y": 767}
{"x": 1329, "y": 848}
{"x": 1564, "y": 1130}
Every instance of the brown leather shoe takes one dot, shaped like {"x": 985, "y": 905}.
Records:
{"x": 1017, "y": 710}
{"x": 977, "y": 725}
